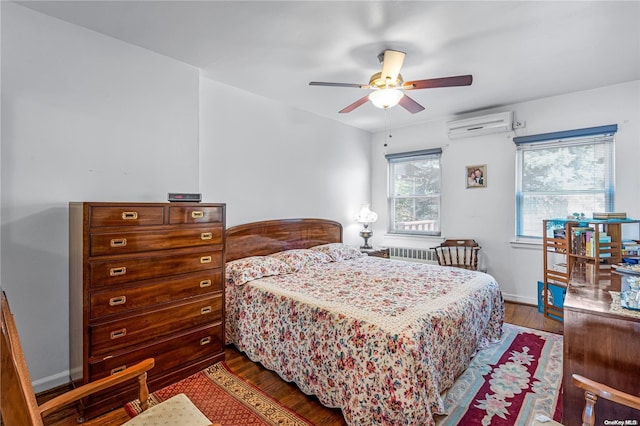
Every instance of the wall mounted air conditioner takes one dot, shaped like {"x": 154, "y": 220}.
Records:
{"x": 483, "y": 125}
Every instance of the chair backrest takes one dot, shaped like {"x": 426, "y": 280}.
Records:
{"x": 17, "y": 397}
{"x": 458, "y": 253}
{"x": 593, "y": 390}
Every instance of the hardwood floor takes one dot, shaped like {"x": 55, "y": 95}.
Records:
{"x": 287, "y": 393}
{"x": 528, "y": 316}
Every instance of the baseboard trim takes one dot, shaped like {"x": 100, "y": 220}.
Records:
{"x": 519, "y": 299}
{"x": 50, "y": 382}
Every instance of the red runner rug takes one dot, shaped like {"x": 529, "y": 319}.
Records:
{"x": 227, "y": 399}
{"x": 509, "y": 383}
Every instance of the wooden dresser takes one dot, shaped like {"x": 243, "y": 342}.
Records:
{"x": 600, "y": 344}
{"x": 146, "y": 280}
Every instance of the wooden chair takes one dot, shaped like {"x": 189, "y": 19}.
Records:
{"x": 458, "y": 253}
{"x": 18, "y": 401}
{"x": 593, "y": 390}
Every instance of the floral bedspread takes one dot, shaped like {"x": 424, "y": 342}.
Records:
{"x": 380, "y": 339}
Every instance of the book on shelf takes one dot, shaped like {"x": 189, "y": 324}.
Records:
{"x": 583, "y": 242}
{"x": 609, "y": 215}
{"x": 579, "y": 239}
{"x": 630, "y": 248}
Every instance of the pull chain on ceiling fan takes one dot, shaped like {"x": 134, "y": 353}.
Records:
{"x": 387, "y": 85}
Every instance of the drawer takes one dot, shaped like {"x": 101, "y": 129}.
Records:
{"x": 155, "y": 292}
{"x": 195, "y": 214}
{"x": 131, "y": 269}
{"x": 112, "y": 336}
{"x": 113, "y": 243}
{"x": 126, "y": 216}
{"x": 169, "y": 354}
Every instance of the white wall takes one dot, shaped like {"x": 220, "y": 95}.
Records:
{"x": 268, "y": 161}
{"x": 488, "y": 215}
{"x": 85, "y": 118}
{"x": 89, "y": 118}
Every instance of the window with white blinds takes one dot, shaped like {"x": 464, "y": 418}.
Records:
{"x": 562, "y": 173}
{"x": 414, "y": 192}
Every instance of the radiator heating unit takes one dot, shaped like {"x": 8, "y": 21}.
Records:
{"x": 421, "y": 255}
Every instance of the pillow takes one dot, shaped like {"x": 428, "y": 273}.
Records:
{"x": 338, "y": 251}
{"x": 299, "y": 258}
{"x": 251, "y": 268}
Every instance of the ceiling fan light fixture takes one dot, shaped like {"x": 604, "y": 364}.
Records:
{"x": 385, "y": 98}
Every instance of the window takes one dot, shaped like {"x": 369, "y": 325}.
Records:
{"x": 562, "y": 173}
{"x": 414, "y": 192}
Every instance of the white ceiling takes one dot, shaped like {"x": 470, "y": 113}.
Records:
{"x": 515, "y": 50}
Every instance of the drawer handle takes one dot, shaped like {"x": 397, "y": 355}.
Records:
{"x": 118, "y": 369}
{"x": 197, "y": 214}
{"x": 114, "y": 272}
{"x": 205, "y": 283}
{"x": 118, "y": 242}
{"x": 206, "y": 236}
{"x": 205, "y": 340}
{"x": 120, "y": 300}
{"x": 205, "y": 310}
{"x": 205, "y": 259}
{"x": 129, "y": 215}
{"x": 116, "y": 334}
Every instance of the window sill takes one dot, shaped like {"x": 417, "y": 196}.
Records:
{"x": 527, "y": 244}
{"x": 410, "y": 240}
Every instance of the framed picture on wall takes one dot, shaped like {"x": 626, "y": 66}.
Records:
{"x": 476, "y": 176}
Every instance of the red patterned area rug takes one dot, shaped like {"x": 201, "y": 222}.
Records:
{"x": 509, "y": 383}
{"x": 227, "y": 399}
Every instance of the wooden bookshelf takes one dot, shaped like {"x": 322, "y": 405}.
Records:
{"x": 567, "y": 241}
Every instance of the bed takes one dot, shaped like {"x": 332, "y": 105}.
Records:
{"x": 380, "y": 339}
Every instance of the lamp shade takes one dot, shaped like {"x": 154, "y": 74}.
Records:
{"x": 385, "y": 98}
{"x": 366, "y": 215}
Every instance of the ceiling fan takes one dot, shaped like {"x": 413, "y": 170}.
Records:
{"x": 387, "y": 85}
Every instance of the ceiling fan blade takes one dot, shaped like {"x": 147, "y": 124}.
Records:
{"x": 391, "y": 64}
{"x": 354, "y": 105}
{"x": 322, "y": 83}
{"x": 410, "y": 105}
{"x": 459, "y": 80}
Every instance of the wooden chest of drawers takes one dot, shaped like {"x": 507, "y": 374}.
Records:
{"x": 599, "y": 343}
{"x": 146, "y": 280}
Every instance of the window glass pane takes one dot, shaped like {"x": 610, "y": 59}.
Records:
{"x": 417, "y": 214}
{"x": 417, "y": 177}
{"x": 568, "y": 168}
{"x": 414, "y": 196}
{"x": 537, "y": 207}
{"x": 557, "y": 179}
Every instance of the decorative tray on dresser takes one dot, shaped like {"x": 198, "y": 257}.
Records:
{"x": 146, "y": 281}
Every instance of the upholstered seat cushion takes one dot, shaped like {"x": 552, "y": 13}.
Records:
{"x": 177, "y": 410}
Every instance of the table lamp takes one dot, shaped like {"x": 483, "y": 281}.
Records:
{"x": 366, "y": 217}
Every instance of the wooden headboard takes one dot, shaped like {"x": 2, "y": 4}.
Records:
{"x": 272, "y": 236}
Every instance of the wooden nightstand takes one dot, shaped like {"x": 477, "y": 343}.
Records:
{"x": 377, "y": 252}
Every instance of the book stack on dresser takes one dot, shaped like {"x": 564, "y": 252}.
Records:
{"x": 146, "y": 281}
